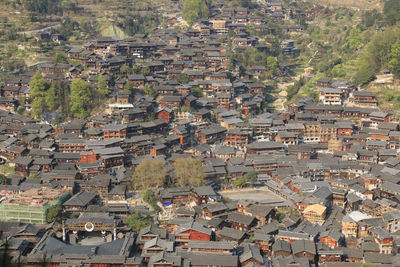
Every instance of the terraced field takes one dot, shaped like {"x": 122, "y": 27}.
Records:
{"x": 355, "y": 4}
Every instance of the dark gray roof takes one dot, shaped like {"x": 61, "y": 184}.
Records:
{"x": 211, "y": 259}
{"x": 251, "y": 252}
{"x": 167, "y": 245}
{"x": 281, "y": 245}
{"x": 23, "y": 161}
{"x": 378, "y": 258}
{"x": 260, "y": 210}
{"x": 303, "y": 246}
{"x": 231, "y": 233}
{"x": 220, "y": 245}
{"x": 265, "y": 145}
{"x": 240, "y": 218}
{"x": 195, "y": 226}
{"x": 162, "y": 233}
{"x": 205, "y": 191}
{"x": 214, "y": 207}
{"x": 290, "y": 261}
{"x": 49, "y": 245}
{"x": 81, "y": 199}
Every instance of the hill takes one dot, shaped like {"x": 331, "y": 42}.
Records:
{"x": 112, "y": 30}
{"x": 353, "y": 4}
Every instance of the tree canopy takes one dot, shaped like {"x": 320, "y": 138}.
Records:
{"x": 194, "y": 9}
{"x": 60, "y": 58}
{"x": 251, "y": 176}
{"x": 197, "y": 92}
{"x": 150, "y": 91}
{"x": 253, "y": 57}
{"x": 39, "y": 88}
{"x": 102, "y": 86}
{"x": 48, "y": 97}
{"x": 150, "y": 199}
{"x": 81, "y": 98}
{"x": 54, "y": 214}
{"x": 3, "y": 179}
{"x": 137, "y": 222}
{"x": 382, "y": 52}
{"x": 391, "y": 12}
{"x": 138, "y": 23}
{"x": 44, "y": 6}
{"x": 149, "y": 173}
{"x": 188, "y": 171}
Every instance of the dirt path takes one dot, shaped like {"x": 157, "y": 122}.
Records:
{"x": 279, "y": 103}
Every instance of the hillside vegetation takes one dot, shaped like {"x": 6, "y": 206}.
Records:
{"x": 353, "y": 4}
{"x": 77, "y": 22}
{"x": 355, "y": 45}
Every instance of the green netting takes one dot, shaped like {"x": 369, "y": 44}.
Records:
{"x": 29, "y": 214}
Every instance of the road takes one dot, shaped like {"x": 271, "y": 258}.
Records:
{"x": 48, "y": 28}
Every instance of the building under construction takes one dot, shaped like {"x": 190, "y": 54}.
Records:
{"x": 32, "y": 205}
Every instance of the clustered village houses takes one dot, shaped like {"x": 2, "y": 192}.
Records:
{"x": 332, "y": 161}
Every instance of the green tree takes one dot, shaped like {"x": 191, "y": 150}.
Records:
{"x": 145, "y": 70}
{"x": 194, "y": 9}
{"x": 129, "y": 88}
{"x": 239, "y": 182}
{"x": 197, "y": 92}
{"x": 33, "y": 176}
{"x": 60, "y": 59}
{"x": 183, "y": 78}
{"x": 391, "y": 12}
{"x": 394, "y": 62}
{"x": 63, "y": 94}
{"x": 54, "y": 214}
{"x": 137, "y": 222}
{"x": 188, "y": 171}
{"x": 125, "y": 70}
{"x": 150, "y": 91}
{"x": 251, "y": 176}
{"x": 148, "y": 196}
{"x": 380, "y": 52}
{"x": 47, "y": 7}
{"x": 294, "y": 89}
{"x": 81, "y": 99}
{"x": 136, "y": 69}
{"x": 3, "y": 179}
{"x": 280, "y": 216}
{"x": 102, "y": 86}
{"x": 150, "y": 199}
{"x": 354, "y": 39}
{"x": 38, "y": 93}
{"x": 365, "y": 73}
{"x": 272, "y": 65}
{"x": 184, "y": 109}
{"x": 52, "y": 96}
{"x": 149, "y": 173}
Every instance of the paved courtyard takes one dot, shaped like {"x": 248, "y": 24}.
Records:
{"x": 261, "y": 195}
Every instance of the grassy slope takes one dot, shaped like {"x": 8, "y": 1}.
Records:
{"x": 104, "y": 15}
{"x": 113, "y": 31}
{"x": 354, "y": 4}
{"x": 332, "y": 36}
